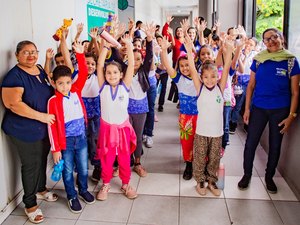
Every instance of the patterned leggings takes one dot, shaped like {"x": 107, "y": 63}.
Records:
{"x": 206, "y": 147}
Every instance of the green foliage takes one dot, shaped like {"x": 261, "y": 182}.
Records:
{"x": 269, "y": 13}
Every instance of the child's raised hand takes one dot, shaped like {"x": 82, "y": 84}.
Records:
{"x": 94, "y": 33}
{"x": 49, "y": 53}
{"x": 64, "y": 34}
{"x": 164, "y": 43}
{"x": 241, "y": 31}
{"x": 127, "y": 40}
{"x": 169, "y": 19}
{"x": 149, "y": 30}
{"x": 115, "y": 18}
{"x": 130, "y": 23}
{"x": 78, "y": 47}
{"x": 120, "y": 30}
{"x": 80, "y": 28}
{"x": 184, "y": 25}
{"x": 217, "y": 24}
{"x": 197, "y": 22}
{"x": 228, "y": 46}
{"x": 202, "y": 26}
{"x": 188, "y": 44}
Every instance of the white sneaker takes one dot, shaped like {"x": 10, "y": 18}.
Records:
{"x": 144, "y": 138}
{"x": 149, "y": 142}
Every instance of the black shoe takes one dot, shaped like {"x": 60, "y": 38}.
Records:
{"x": 232, "y": 128}
{"x": 131, "y": 160}
{"x": 160, "y": 108}
{"x": 74, "y": 205}
{"x": 271, "y": 186}
{"x": 87, "y": 197}
{"x": 96, "y": 174}
{"x": 244, "y": 182}
{"x": 188, "y": 172}
{"x": 246, "y": 128}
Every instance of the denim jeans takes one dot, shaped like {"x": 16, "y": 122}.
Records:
{"x": 76, "y": 152}
{"x": 238, "y": 106}
{"x": 226, "y": 118}
{"x": 149, "y": 124}
{"x": 258, "y": 120}
{"x": 92, "y": 137}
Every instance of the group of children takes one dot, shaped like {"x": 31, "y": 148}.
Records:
{"x": 122, "y": 83}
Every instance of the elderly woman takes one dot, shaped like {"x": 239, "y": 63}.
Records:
{"x": 274, "y": 91}
{"x": 25, "y": 93}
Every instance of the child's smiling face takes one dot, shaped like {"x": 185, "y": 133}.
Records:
{"x": 184, "y": 67}
{"x": 209, "y": 77}
{"x": 113, "y": 75}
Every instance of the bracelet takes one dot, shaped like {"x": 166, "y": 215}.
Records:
{"x": 294, "y": 115}
{"x": 106, "y": 47}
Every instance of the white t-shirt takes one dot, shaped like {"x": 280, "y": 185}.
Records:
{"x": 114, "y": 105}
{"x": 210, "y": 105}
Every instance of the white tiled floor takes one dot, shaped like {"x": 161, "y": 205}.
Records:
{"x": 166, "y": 199}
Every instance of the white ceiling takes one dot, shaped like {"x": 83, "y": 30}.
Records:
{"x": 178, "y": 7}
{"x": 174, "y": 3}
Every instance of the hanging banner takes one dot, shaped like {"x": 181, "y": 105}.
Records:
{"x": 97, "y": 12}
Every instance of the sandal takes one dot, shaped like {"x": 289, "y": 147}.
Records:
{"x": 33, "y": 216}
{"x": 49, "y": 196}
{"x": 129, "y": 192}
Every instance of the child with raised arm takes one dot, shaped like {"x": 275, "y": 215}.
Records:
{"x": 67, "y": 133}
{"x": 209, "y": 131}
{"x": 188, "y": 105}
{"x": 116, "y": 136}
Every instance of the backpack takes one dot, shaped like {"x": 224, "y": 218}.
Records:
{"x": 291, "y": 62}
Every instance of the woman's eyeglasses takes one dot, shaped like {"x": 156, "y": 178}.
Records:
{"x": 273, "y": 38}
{"x": 27, "y": 53}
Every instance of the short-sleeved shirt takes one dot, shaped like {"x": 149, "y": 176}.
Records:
{"x": 114, "y": 105}
{"x": 187, "y": 94}
{"x": 272, "y": 87}
{"x": 138, "y": 101}
{"x": 73, "y": 115}
{"x": 36, "y": 95}
{"x": 91, "y": 97}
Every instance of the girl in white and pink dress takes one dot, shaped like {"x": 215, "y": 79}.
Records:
{"x": 116, "y": 136}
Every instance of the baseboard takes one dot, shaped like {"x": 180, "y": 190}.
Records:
{"x": 9, "y": 208}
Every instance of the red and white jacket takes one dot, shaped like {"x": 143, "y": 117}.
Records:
{"x": 56, "y": 131}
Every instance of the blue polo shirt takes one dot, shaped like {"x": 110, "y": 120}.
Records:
{"x": 36, "y": 95}
{"x": 272, "y": 88}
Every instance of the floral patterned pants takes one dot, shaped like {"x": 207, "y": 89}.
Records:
{"x": 187, "y": 128}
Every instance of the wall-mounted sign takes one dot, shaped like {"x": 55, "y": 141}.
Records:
{"x": 98, "y": 11}
{"x": 122, "y": 4}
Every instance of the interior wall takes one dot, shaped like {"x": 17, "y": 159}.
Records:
{"x": 233, "y": 18}
{"x": 294, "y": 36}
{"x": 203, "y": 8}
{"x": 10, "y": 183}
{"x": 148, "y": 11}
{"x": 37, "y": 21}
{"x": 127, "y": 13}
